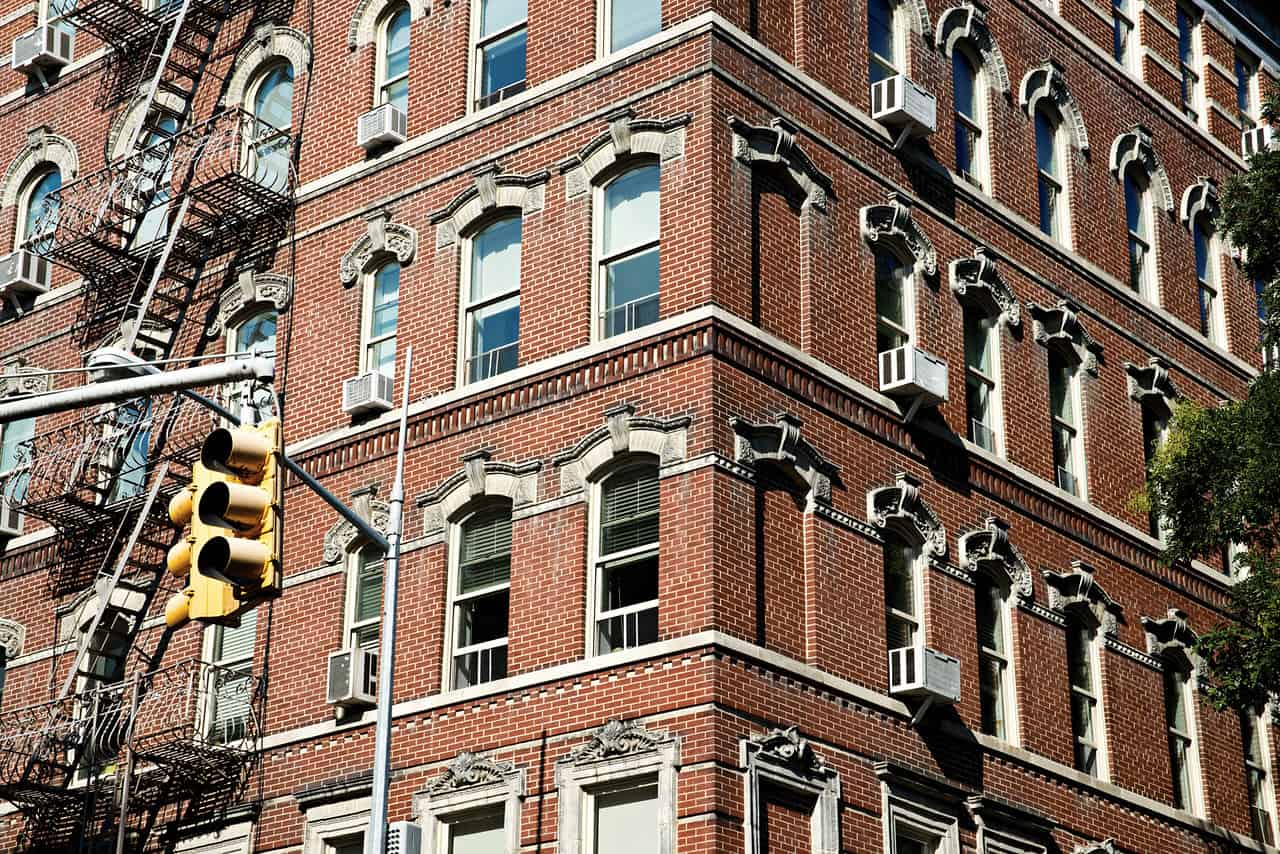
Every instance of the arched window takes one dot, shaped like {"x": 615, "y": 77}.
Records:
{"x": 903, "y": 594}
{"x": 381, "y": 313}
{"x": 1051, "y": 175}
{"x": 1208, "y": 280}
{"x": 895, "y": 305}
{"x": 480, "y": 589}
{"x": 34, "y": 221}
{"x": 625, "y": 564}
{"x": 982, "y": 377}
{"x": 886, "y": 45}
{"x": 627, "y": 237}
{"x": 272, "y": 100}
{"x": 491, "y": 301}
{"x": 393, "y": 59}
{"x": 1068, "y": 427}
{"x": 255, "y": 334}
{"x": 995, "y": 660}
{"x": 1180, "y": 723}
{"x": 969, "y": 91}
{"x": 1085, "y": 678}
{"x": 363, "y": 621}
{"x": 628, "y": 21}
{"x": 157, "y": 167}
{"x": 1138, "y": 218}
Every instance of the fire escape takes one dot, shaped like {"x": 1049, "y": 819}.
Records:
{"x": 130, "y": 749}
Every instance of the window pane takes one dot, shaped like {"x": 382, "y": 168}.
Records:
{"x": 483, "y": 619}
{"x": 977, "y": 341}
{"x": 397, "y": 94}
{"x": 235, "y": 643}
{"x": 49, "y": 183}
{"x": 503, "y": 63}
{"x": 257, "y": 334}
{"x": 353, "y": 844}
{"x": 631, "y": 210}
{"x": 899, "y": 583}
{"x": 630, "y": 583}
{"x": 891, "y": 308}
{"x": 485, "y": 552}
{"x": 368, "y": 597}
{"x": 12, "y": 437}
{"x": 483, "y": 834}
{"x": 1186, "y": 47}
{"x": 880, "y": 38}
{"x": 1078, "y": 658}
{"x": 1046, "y": 144}
{"x": 1203, "y": 248}
{"x": 497, "y": 15}
{"x": 386, "y": 301}
{"x": 397, "y": 45}
{"x": 495, "y": 333}
{"x": 991, "y": 690}
{"x": 1061, "y": 399}
{"x": 629, "y": 512}
{"x": 626, "y": 822}
{"x": 963, "y": 79}
{"x": 634, "y": 20}
{"x": 990, "y": 605}
{"x": 626, "y": 631}
{"x": 495, "y": 259}
{"x": 1135, "y": 208}
{"x": 631, "y": 292}
{"x": 273, "y": 102}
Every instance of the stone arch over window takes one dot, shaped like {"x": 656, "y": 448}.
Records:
{"x": 12, "y": 637}
{"x": 344, "y": 538}
{"x": 988, "y": 549}
{"x": 781, "y": 447}
{"x": 916, "y": 13}
{"x": 977, "y": 281}
{"x": 1200, "y": 198}
{"x": 623, "y": 433}
{"x": 43, "y": 149}
{"x": 18, "y": 377}
{"x": 1150, "y": 384}
{"x": 251, "y": 291}
{"x": 269, "y": 42}
{"x": 364, "y": 20}
{"x": 627, "y": 138}
{"x": 1060, "y": 326}
{"x": 1049, "y": 82}
{"x": 471, "y": 782}
{"x": 1135, "y": 147}
{"x": 899, "y": 509}
{"x": 480, "y": 477}
{"x": 1172, "y": 639}
{"x": 492, "y": 190}
{"x": 1077, "y": 593}
{"x": 774, "y": 146}
{"x": 1107, "y": 846}
{"x": 382, "y": 241}
{"x": 783, "y": 759}
{"x": 127, "y": 121}
{"x": 892, "y": 226}
{"x": 968, "y": 23}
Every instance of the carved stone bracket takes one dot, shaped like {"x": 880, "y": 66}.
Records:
{"x": 782, "y": 758}
{"x": 1200, "y": 197}
{"x": 892, "y": 225}
{"x": 491, "y": 190}
{"x": 470, "y": 783}
{"x": 1049, "y": 81}
{"x": 978, "y": 280}
{"x": 617, "y": 739}
{"x": 341, "y": 539}
{"x": 20, "y": 378}
{"x": 382, "y": 241}
{"x": 1107, "y": 846}
{"x": 988, "y": 549}
{"x": 622, "y": 433}
{"x": 967, "y": 22}
{"x": 42, "y": 146}
{"x": 12, "y": 636}
{"x": 776, "y": 145}
{"x": 786, "y": 748}
{"x": 1171, "y": 636}
{"x": 780, "y": 445}
{"x": 480, "y": 477}
{"x": 900, "y": 509}
{"x": 1151, "y": 385}
{"x": 1060, "y": 325}
{"x": 250, "y": 289}
{"x": 626, "y": 137}
{"x": 1135, "y": 147}
{"x": 1077, "y": 592}
{"x": 469, "y": 770}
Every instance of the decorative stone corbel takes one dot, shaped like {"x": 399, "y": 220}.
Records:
{"x": 968, "y": 22}
{"x": 1151, "y": 385}
{"x": 775, "y": 145}
{"x": 383, "y": 240}
{"x": 491, "y": 190}
{"x": 20, "y": 378}
{"x": 12, "y": 636}
{"x": 988, "y": 549}
{"x": 626, "y": 137}
{"x": 892, "y": 225}
{"x": 781, "y": 758}
{"x": 1077, "y": 592}
{"x": 1135, "y": 147}
{"x": 781, "y": 446}
{"x": 1049, "y": 81}
{"x": 480, "y": 477}
{"x": 1060, "y": 325}
{"x": 341, "y": 539}
{"x": 978, "y": 280}
{"x": 1171, "y": 635}
{"x": 900, "y": 509}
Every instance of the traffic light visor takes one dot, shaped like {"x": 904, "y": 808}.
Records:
{"x": 234, "y": 561}
{"x": 233, "y": 505}
{"x": 243, "y": 453}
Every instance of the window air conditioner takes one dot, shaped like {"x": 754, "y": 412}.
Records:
{"x": 404, "y": 837}
{"x": 920, "y": 672}
{"x": 900, "y": 102}
{"x": 353, "y": 678}
{"x": 908, "y": 371}
{"x": 381, "y": 126}
{"x": 44, "y": 47}
{"x": 10, "y": 518}
{"x": 24, "y": 272}
{"x": 369, "y": 392}
{"x": 1256, "y": 139}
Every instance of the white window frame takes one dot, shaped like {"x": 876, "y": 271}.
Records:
{"x": 352, "y": 574}
{"x": 476, "y": 62}
{"x": 916, "y": 565}
{"x": 1079, "y": 469}
{"x": 24, "y": 202}
{"x": 238, "y": 393}
{"x": 898, "y": 26}
{"x": 1183, "y": 678}
{"x": 1127, "y": 18}
{"x": 380, "y": 79}
{"x": 598, "y": 561}
{"x": 916, "y": 820}
{"x": 1008, "y": 684}
{"x": 1093, "y": 648}
{"x": 1249, "y": 117}
{"x": 465, "y": 305}
{"x": 327, "y": 823}
{"x": 992, "y": 379}
{"x": 980, "y": 171}
{"x": 604, "y": 33}
{"x": 1148, "y": 275}
{"x": 367, "y": 339}
{"x": 1262, "y": 724}
{"x": 816, "y": 780}
{"x": 437, "y": 812}
{"x": 1193, "y": 103}
{"x": 454, "y": 545}
{"x": 600, "y": 260}
{"x": 1061, "y": 220}
{"x": 906, "y": 275}
{"x": 1216, "y": 333}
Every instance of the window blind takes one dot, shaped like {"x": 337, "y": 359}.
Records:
{"x": 485, "y": 552}
{"x": 629, "y": 516}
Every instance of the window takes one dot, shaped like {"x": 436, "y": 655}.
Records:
{"x": 1257, "y": 769}
{"x": 913, "y": 841}
{"x": 482, "y": 832}
{"x": 995, "y": 681}
{"x": 981, "y": 377}
{"x": 32, "y": 223}
{"x": 481, "y": 597}
{"x": 1122, "y": 34}
{"x": 393, "y": 59}
{"x": 1246, "y": 90}
{"x": 4, "y": 662}
{"x": 1270, "y": 355}
{"x": 128, "y": 445}
{"x": 229, "y": 682}
{"x": 491, "y": 307}
{"x": 1068, "y": 437}
{"x": 254, "y": 402}
{"x": 1189, "y": 60}
{"x": 628, "y": 21}
{"x": 1086, "y": 699}
{"x": 622, "y": 819}
{"x": 1051, "y": 180}
{"x": 1155, "y": 430}
{"x": 968, "y": 89}
{"x": 1138, "y": 219}
{"x": 884, "y": 42}
{"x": 364, "y": 598}
{"x": 156, "y": 174}
{"x": 628, "y": 254}
{"x": 1180, "y": 720}
{"x": 500, "y": 50}
{"x": 15, "y": 455}
{"x": 626, "y": 571}
{"x": 351, "y": 843}
{"x": 894, "y": 303}
{"x": 902, "y": 595}
{"x": 381, "y": 308}
{"x": 1207, "y": 277}
{"x": 273, "y": 112}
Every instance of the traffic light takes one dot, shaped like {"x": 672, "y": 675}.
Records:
{"x": 232, "y": 556}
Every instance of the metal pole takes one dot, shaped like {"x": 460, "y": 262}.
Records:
{"x": 376, "y": 840}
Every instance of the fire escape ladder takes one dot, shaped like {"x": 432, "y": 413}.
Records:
{"x": 170, "y": 306}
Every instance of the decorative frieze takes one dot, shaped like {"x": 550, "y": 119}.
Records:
{"x": 617, "y": 739}
{"x": 250, "y": 289}
{"x": 1150, "y": 384}
{"x": 988, "y": 549}
{"x": 1060, "y": 325}
{"x": 968, "y": 22}
{"x": 977, "y": 280}
{"x": 1048, "y": 81}
{"x": 892, "y": 226}
{"x": 775, "y": 145}
{"x": 491, "y": 190}
{"x": 901, "y": 509}
{"x": 469, "y": 770}
{"x": 781, "y": 446}
{"x": 1135, "y": 147}
{"x": 1077, "y": 592}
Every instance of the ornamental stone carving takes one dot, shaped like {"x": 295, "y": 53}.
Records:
{"x": 775, "y": 145}
{"x": 268, "y": 42}
{"x": 1107, "y": 846}
{"x": 343, "y": 538}
{"x": 781, "y": 758}
{"x": 617, "y": 739}
{"x": 967, "y": 22}
{"x": 382, "y": 241}
{"x": 12, "y": 636}
{"x": 1059, "y": 326}
{"x": 1049, "y": 82}
{"x": 891, "y": 225}
{"x": 42, "y": 148}
{"x": 1170, "y": 636}
{"x": 900, "y": 510}
{"x": 480, "y": 477}
{"x": 988, "y": 549}
{"x": 1200, "y": 198}
{"x": 627, "y": 137}
{"x": 977, "y": 280}
{"x": 1076, "y": 592}
{"x": 490, "y": 190}
{"x": 1150, "y": 385}
{"x": 1135, "y": 147}
{"x": 365, "y": 19}
{"x": 20, "y": 378}
{"x": 786, "y": 748}
{"x": 917, "y": 12}
{"x": 623, "y": 433}
{"x": 781, "y": 446}
{"x": 250, "y": 289}
{"x": 471, "y": 769}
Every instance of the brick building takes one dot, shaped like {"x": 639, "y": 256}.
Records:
{"x": 672, "y": 501}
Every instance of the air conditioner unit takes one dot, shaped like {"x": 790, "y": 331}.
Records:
{"x": 908, "y": 371}
{"x": 1256, "y": 139}
{"x": 920, "y": 672}
{"x": 384, "y": 125}
{"x": 10, "y": 518}
{"x": 900, "y": 102}
{"x": 404, "y": 837}
{"x": 369, "y": 392}
{"x": 353, "y": 678}
{"x": 24, "y": 272}
{"x": 44, "y": 47}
